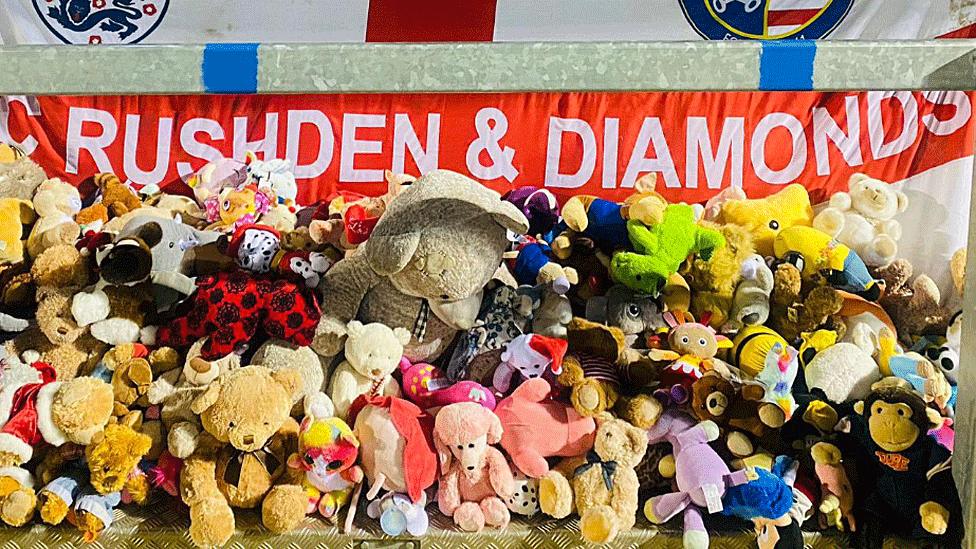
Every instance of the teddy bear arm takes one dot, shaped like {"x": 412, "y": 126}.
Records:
{"x": 344, "y": 389}
{"x": 499, "y": 473}
{"x": 138, "y": 488}
{"x": 391, "y": 387}
{"x": 623, "y": 497}
{"x": 198, "y": 481}
{"x": 448, "y": 493}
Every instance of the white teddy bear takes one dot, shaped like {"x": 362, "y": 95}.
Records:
{"x": 863, "y": 219}
{"x": 373, "y": 352}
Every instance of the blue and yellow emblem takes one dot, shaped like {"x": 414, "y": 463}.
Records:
{"x": 765, "y": 19}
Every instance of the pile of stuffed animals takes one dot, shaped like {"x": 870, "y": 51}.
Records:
{"x": 756, "y": 358}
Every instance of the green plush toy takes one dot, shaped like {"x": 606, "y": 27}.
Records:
{"x": 660, "y": 249}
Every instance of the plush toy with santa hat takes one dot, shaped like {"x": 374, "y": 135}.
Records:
{"x": 530, "y": 356}
{"x": 25, "y": 411}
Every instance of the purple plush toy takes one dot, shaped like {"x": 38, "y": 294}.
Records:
{"x": 538, "y": 205}
{"x": 701, "y": 475}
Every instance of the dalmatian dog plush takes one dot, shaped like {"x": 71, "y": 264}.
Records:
{"x": 257, "y": 248}
{"x": 525, "y": 500}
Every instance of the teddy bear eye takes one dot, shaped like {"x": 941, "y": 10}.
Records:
{"x": 774, "y": 224}
{"x": 231, "y": 425}
{"x": 106, "y": 468}
{"x": 470, "y": 445}
{"x": 460, "y": 447}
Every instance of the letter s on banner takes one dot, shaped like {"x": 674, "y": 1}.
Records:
{"x": 557, "y": 126}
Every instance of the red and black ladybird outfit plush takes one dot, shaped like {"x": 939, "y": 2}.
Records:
{"x": 231, "y": 307}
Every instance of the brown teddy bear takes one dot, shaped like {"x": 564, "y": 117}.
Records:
{"x": 914, "y": 304}
{"x": 117, "y": 200}
{"x": 58, "y": 274}
{"x": 590, "y": 366}
{"x": 604, "y": 486}
{"x": 243, "y": 464}
{"x": 794, "y": 311}
{"x": 738, "y": 411}
{"x": 713, "y": 282}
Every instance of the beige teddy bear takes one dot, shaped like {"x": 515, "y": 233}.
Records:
{"x": 864, "y": 219}
{"x": 56, "y": 204}
{"x": 277, "y": 354}
{"x": 242, "y": 461}
{"x": 373, "y": 352}
{"x": 603, "y": 487}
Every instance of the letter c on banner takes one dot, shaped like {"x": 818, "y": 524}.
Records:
{"x": 33, "y": 109}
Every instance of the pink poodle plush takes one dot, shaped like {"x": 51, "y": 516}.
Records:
{"x": 536, "y": 427}
{"x": 475, "y": 477}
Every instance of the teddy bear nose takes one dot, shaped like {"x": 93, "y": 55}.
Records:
{"x": 248, "y": 439}
{"x": 110, "y": 480}
{"x": 470, "y": 467}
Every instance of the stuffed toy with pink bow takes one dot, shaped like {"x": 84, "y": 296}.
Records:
{"x": 529, "y": 356}
{"x": 427, "y": 386}
{"x": 475, "y": 477}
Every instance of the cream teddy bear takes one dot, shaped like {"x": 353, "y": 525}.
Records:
{"x": 56, "y": 204}
{"x": 864, "y": 219}
{"x": 373, "y": 352}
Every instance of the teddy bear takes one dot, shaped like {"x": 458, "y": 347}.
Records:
{"x": 763, "y": 217}
{"x": 15, "y": 213}
{"x": 92, "y": 490}
{"x": 528, "y": 356}
{"x": 915, "y": 305}
{"x": 713, "y": 281}
{"x": 115, "y": 314}
{"x": 590, "y": 368}
{"x": 372, "y": 353}
{"x": 475, "y": 477}
{"x": 242, "y": 464}
{"x": 423, "y": 267}
{"x": 327, "y": 453}
{"x": 175, "y": 392}
{"x": 864, "y": 218}
{"x": 277, "y": 354}
{"x": 737, "y": 410}
{"x": 792, "y": 312}
{"x": 56, "y": 204}
{"x": 130, "y": 369}
{"x": 19, "y": 175}
{"x": 750, "y": 302}
{"x": 660, "y": 249}
{"x": 604, "y": 488}
{"x": 117, "y": 200}
{"x": 37, "y": 408}
{"x": 59, "y": 273}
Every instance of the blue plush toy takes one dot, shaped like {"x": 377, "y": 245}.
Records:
{"x": 766, "y": 501}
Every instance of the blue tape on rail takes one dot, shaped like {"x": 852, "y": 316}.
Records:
{"x": 230, "y": 68}
{"x": 787, "y": 64}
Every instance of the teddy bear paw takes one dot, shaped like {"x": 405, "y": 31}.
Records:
{"x": 599, "y": 525}
{"x": 739, "y": 444}
{"x": 182, "y": 439}
{"x": 883, "y": 249}
{"x": 211, "y": 523}
{"x": 830, "y": 221}
{"x": 469, "y": 517}
{"x": 18, "y": 507}
{"x": 935, "y": 518}
{"x": 495, "y": 512}
{"x": 53, "y": 508}
{"x": 589, "y": 397}
{"x": 283, "y": 509}
{"x": 555, "y": 495}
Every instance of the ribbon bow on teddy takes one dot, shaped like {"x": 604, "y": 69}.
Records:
{"x": 267, "y": 456}
{"x": 608, "y": 468}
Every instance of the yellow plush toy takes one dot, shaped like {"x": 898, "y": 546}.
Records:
{"x": 766, "y": 217}
{"x": 14, "y": 214}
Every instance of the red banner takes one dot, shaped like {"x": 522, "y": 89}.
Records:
{"x": 597, "y": 143}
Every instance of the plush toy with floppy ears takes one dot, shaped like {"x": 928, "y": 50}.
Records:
{"x": 693, "y": 347}
{"x": 474, "y": 474}
{"x": 327, "y": 452}
{"x": 634, "y": 313}
{"x": 713, "y": 281}
{"x": 603, "y": 489}
{"x": 373, "y": 353}
{"x": 661, "y": 248}
{"x": 117, "y": 200}
{"x": 914, "y": 495}
{"x": 864, "y": 219}
{"x": 243, "y": 463}
{"x": 763, "y": 217}
{"x": 530, "y": 356}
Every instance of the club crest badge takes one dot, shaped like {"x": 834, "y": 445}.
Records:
{"x": 765, "y": 19}
{"x": 101, "y": 21}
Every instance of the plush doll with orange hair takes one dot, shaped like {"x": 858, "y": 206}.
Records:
{"x": 475, "y": 477}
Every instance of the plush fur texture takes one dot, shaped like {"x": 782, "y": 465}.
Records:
{"x": 475, "y": 478}
{"x": 914, "y": 304}
{"x": 278, "y": 354}
{"x": 56, "y": 203}
{"x": 713, "y": 282}
{"x": 373, "y": 353}
{"x": 117, "y": 200}
{"x": 765, "y": 217}
{"x": 14, "y": 214}
{"x": 605, "y": 499}
{"x": 20, "y": 177}
{"x": 793, "y": 311}
{"x": 439, "y": 242}
{"x": 245, "y": 411}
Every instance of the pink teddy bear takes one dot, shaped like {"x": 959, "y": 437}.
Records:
{"x": 475, "y": 477}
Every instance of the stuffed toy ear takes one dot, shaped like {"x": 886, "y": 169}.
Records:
{"x": 508, "y": 216}
{"x": 494, "y": 427}
{"x": 443, "y": 452}
{"x": 389, "y": 254}
{"x": 638, "y": 440}
{"x": 402, "y": 335}
{"x": 354, "y": 328}
{"x": 207, "y": 399}
{"x": 670, "y": 319}
{"x": 290, "y": 379}
{"x": 902, "y": 201}
{"x": 646, "y": 183}
{"x": 859, "y": 407}
{"x": 151, "y": 233}
{"x": 934, "y": 417}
